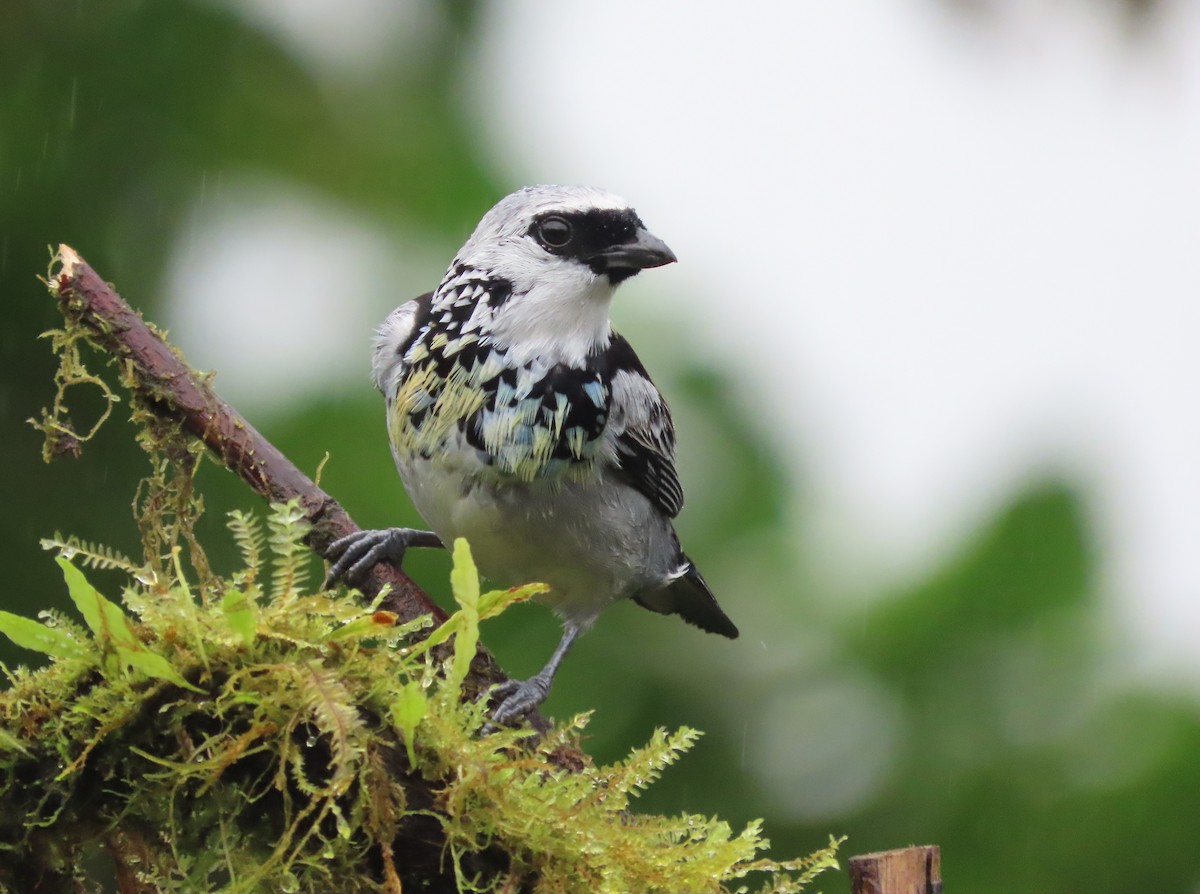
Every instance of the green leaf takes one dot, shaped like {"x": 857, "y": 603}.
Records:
{"x": 378, "y": 623}
{"x": 154, "y": 665}
{"x": 494, "y": 602}
{"x": 464, "y": 577}
{"x": 355, "y": 628}
{"x": 33, "y": 635}
{"x": 112, "y": 628}
{"x": 464, "y": 582}
{"x": 239, "y": 614}
{"x": 447, "y": 629}
{"x": 10, "y": 743}
{"x": 464, "y": 623}
{"x": 408, "y": 710}
{"x": 105, "y": 619}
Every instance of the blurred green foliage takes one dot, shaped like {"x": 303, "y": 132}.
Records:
{"x": 976, "y": 710}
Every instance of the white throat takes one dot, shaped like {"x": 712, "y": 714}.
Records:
{"x": 557, "y": 321}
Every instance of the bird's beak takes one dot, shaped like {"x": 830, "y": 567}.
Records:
{"x": 645, "y": 250}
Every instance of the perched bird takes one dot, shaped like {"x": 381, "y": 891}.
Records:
{"x": 521, "y": 421}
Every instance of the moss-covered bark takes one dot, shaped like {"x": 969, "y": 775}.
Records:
{"x": 252, "y": 733}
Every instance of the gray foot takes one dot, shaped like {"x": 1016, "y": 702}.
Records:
{"x": 356, "y": 554}
{"x": 519, "y": 698}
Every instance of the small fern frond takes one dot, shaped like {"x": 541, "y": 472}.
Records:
{"x": 248, "y": 535}
{"x": 288, "y": 527}
{"x": 91, "y": 555}
{"x": 330, "y": 707}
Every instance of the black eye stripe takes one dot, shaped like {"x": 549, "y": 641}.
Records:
{"x": 591, "y": 231}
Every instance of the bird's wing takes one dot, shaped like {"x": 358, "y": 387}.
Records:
{"x": 644, "y": 435}
{"x": 395, "y": 337}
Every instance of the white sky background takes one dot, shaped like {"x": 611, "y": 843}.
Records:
{"x": 940, "y": 257}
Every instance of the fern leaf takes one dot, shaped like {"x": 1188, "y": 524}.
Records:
{"x": 331, "y": 708}
{"x": 91, "y": 555}
{"x": 248, "y": 535}
{"x": 288, "y": 527}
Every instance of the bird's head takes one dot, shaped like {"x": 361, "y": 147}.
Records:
{"x": 562, "y": 249}
{"x": 574, "y": 235}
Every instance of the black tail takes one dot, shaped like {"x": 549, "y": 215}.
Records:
{"x": 688, "y": 596}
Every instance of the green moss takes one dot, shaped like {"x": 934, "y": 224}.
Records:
{"x": 213, "y": 738}
{"x": 245, "y": 733}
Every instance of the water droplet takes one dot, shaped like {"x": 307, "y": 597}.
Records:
{"x": 311, "y": 741}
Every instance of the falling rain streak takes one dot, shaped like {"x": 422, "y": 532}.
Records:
{"x": 71, "y": 106}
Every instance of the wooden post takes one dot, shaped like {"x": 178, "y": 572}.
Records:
{"x": 910, "y": 870}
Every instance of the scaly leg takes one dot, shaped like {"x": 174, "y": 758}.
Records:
{"x": 356, "y": 554}
{"x": 521, "y": 696}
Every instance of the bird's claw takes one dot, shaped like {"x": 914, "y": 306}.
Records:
{"x": 356, "y": 554}
{"x": 518, "y": 697}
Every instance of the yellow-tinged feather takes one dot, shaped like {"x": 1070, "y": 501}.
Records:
{"x": 455, "y": 399}
{"x": 521, "y": 440}
{"x": 575, "y": 441}
{"x": 492, "y": 367}
{"x": 453, "y": 347}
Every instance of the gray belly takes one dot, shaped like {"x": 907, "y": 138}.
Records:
{"x": 593, "y": 541}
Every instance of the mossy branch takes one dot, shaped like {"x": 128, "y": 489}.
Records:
{"x": 213, "y": 739}
{"x": 157, "y": 372}
{"x": 243, "y": 734}
{"x": 163, "y": 383}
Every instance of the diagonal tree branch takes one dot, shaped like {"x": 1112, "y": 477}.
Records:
{"x": 178, "y": 393}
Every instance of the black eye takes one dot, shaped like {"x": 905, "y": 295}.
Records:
{"x": 555, "y": 232}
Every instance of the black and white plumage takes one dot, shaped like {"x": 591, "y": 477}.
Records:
{"x": 521, "y": 421}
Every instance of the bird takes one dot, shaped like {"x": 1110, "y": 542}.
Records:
{"x": 520, "y": 420}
